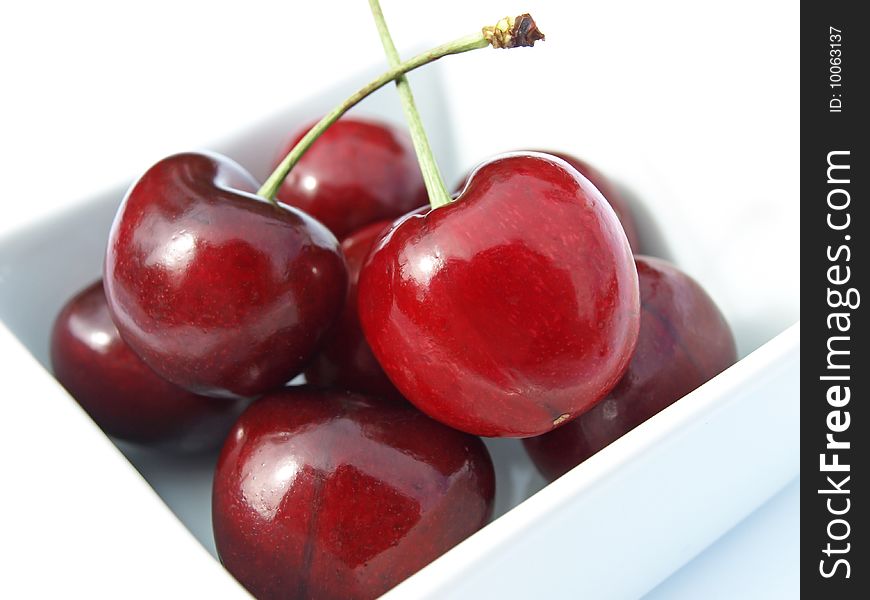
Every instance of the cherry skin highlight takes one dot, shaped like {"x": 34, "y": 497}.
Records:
{"x": 358, "y": 172}
{"x": 334, "y": 495}
{"x": 214, "y": 288}
{"x": 610, "y": 193}
{"x": 347, "y": 362}
{"x": 684, "y": 342}
{"x": 607, "y": 189}
{"x": 509, "y": 310}
{"x": 126, "y": 398}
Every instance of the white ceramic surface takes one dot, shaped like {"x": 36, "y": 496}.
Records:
{"x": 757, "y": 560}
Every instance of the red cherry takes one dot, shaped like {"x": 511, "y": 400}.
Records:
{"x": 607, "y": 189}
{"x": 126, "y": 398}
{"x": 684, "y": 341}
{"x": 333, "y": 495}
{"x": 509, "y": 310}
{"x": 215, "y": 289}
{"x": 356, "y": 173}
{"x": 347, "y": 362}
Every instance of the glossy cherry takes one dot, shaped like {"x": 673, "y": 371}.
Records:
{"x": 215, "y": 289}
{"x": 126, "y": 398}
{"x": 607, "y": 189}
{"x": 347, "y": 362}
{"x": 684, "y": 342}
{"x": 334, "y": 495}
{"x": 358, "y": 172}
{"x": 509, "y": 310}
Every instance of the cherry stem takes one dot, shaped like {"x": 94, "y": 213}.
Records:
{"x": 438, "y": 194}
{"x": 270, "y": 188}
{"x": 507, "y": 33}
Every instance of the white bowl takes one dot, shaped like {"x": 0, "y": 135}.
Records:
{"x": 613, "y": 527}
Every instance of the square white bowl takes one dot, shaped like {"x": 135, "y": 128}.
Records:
{"x": 613, "y": 527}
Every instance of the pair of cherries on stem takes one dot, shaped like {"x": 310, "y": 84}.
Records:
{"x": 227, "y": 295}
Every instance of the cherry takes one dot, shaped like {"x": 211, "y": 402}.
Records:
{"x": 607, "y": 189}
{"x": 347, "y": 362}
{"x": 356, "y": 173}
{"x": 333, "y": 495}
{"x": 684, "y": 341}
{"x": 509, "y": 310}
{"x": 126, "y": 398}
{"x": 217, "y": 290}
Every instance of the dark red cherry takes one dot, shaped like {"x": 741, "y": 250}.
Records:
{"x": 333, "y": 495}
{"x": 607, "y": 189}
{"x": 214, "y": 288}
{"x": 126, "y": 398}
{"x": 356, "y": 173}
{"x": 684, "y": 341}
{"x": 347, "y": 362}
{"x": 509, "y": 310}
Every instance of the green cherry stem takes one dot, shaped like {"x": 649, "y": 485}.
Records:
{"x": 270, "y": 188}
{"x": 507, "y": 33}
{"x": 438, "y": 194}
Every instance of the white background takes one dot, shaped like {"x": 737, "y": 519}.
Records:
{"x": 96, "y": 91}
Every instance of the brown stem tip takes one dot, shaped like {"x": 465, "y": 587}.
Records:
{"x": 513, "y": 32}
